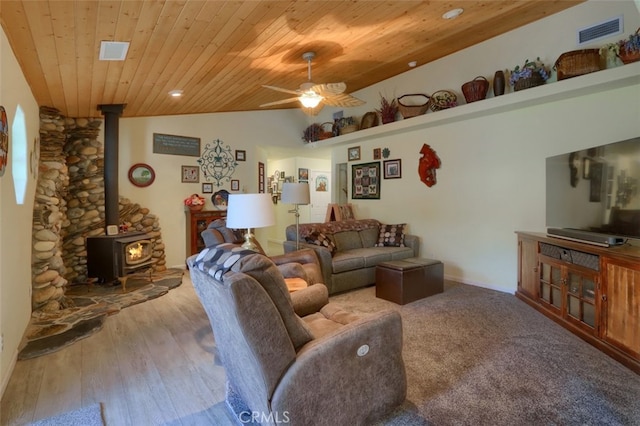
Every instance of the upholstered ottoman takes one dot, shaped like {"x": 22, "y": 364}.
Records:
{"x": 403, "y": 281}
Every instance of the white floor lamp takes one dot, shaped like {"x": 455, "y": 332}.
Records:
{"x": 250, "y": 211}
{"x": 297, "y": 194}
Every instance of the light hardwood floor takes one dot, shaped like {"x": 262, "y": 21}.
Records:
{"x": 151, "y": 364}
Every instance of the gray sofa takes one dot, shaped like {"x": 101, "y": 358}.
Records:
{"x": 347, "y": 249}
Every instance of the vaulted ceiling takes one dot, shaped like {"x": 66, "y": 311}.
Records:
{"x": 220, "y": 53}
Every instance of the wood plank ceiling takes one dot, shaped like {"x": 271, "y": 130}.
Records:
{"x": 221, "y": 52}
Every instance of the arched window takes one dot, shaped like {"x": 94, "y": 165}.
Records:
{"x": 19, "y": 158}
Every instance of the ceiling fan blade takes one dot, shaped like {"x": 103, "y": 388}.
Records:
{"x": 329, "y": 89}
{"x": 280, "y": 89}
{"x": 284, "y": 101}
{"x": 342, "y": 100}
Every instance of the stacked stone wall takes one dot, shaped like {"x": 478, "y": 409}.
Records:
{"x": 69, "y": 207}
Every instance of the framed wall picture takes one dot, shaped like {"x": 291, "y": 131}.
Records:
{"x": 354, "y": 153}
{"x": 377, "y": 153}
{"x": 235, "y": 185}
{"x": 190, "y": 174}
{"x": 207, "y": 188}
{"x": 261, "y": 182}
{"x": 303, "y": 175}
{"x": 141, "y": 175}
{"x": 365, "y": 181}
{"x": 392, "y": 169}
{"x": 241, "y": 155}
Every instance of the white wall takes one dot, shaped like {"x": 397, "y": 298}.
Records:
{"x": 15, "y": 220}
{"x": 239, "y": 131}
{"x": 492, "y": 179}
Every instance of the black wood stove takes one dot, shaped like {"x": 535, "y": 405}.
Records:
{"x": 111, "y": 257}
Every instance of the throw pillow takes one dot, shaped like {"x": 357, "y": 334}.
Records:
{"x": 319, "y": 239}
{"x": 391, "y": 235}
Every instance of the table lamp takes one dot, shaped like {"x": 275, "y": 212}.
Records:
{"x": 296, "y": 193}
{"x": 250, "y": 211}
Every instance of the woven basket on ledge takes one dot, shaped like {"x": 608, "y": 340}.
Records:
{"x": 476, "y": 89}
{"x": 628, "y": 57}
{"x": 577, "y": 62}
{"x": 409, "y": 111}
{"x": 528, "y": 82}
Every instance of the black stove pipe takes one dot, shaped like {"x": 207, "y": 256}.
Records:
{"x": 111, "y": 114}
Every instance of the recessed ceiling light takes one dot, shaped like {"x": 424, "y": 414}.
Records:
{"x": 453, "y": 13}
{"x": 176, "y": 93}
{"x": 413, "y": 64}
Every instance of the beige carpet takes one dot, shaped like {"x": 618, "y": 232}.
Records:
{"x": 90, "y": 415}
{"x": 480, "y": 357}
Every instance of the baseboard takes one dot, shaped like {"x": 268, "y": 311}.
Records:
{"x": 480, "y": 284}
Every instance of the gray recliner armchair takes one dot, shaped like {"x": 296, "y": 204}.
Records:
{"x": 325, "y": 367}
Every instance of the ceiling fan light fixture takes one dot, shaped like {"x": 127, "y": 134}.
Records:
{"x": 453, "y": 13}
{"x": 310, "y": 99}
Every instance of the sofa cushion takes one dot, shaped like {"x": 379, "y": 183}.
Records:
{"x": 347, "y": 261}
{"x": 369, "y": 237}
{"x": 391, "y": 235}
{"x": 319, "y": 239}
{"x": 347, "y": 240}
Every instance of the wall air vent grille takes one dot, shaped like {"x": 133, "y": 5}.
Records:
{"x": 601, "y": 30}
{"x": 113, "y": 50}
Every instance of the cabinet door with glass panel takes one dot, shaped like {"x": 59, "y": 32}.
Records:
{"x": 581, "y": 307}
{"x": 551, "y": 283}
{"x": 569, "y": 291}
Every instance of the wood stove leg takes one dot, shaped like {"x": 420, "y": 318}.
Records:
{"x": 123, "y": 283}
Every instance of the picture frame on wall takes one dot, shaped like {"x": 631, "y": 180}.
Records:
{"x": 190, "y": 174}
{"x": 141, "y": 175}
{"x": 303, "y": 175}
{"x": 241, "y": 155}
{"x": 365, "y": 181}
{"x": 235, "y": 185}
{"x": 354, "y": 153}
{"x": 261, "y": 177}
{"x": 377, "y": 153}
{"x": 392, "y": 169}
{"x": 207, "y": 188}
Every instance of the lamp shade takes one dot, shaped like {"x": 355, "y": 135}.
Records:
{"x": 250, "y": 211}
{"x": 295, "y": 193}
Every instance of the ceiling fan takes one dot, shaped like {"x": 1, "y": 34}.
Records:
{"x": 314, "y": 96}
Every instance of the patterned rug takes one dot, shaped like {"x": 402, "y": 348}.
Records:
{"x": 89, "y": 306}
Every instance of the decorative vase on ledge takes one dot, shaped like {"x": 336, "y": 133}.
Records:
{"x": 498, "y": 83}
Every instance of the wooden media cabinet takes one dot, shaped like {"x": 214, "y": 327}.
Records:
{"x": 592, "y": 291}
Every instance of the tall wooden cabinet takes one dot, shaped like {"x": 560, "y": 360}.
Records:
{"x": 196, "y": 223}
{"x": 592, "y": 291}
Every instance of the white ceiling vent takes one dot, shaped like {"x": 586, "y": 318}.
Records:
{"x": 113, "y": 50}
{"x": 601, "y": 30}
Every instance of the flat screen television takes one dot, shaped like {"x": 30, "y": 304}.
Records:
{"x": 592, "y": 195}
